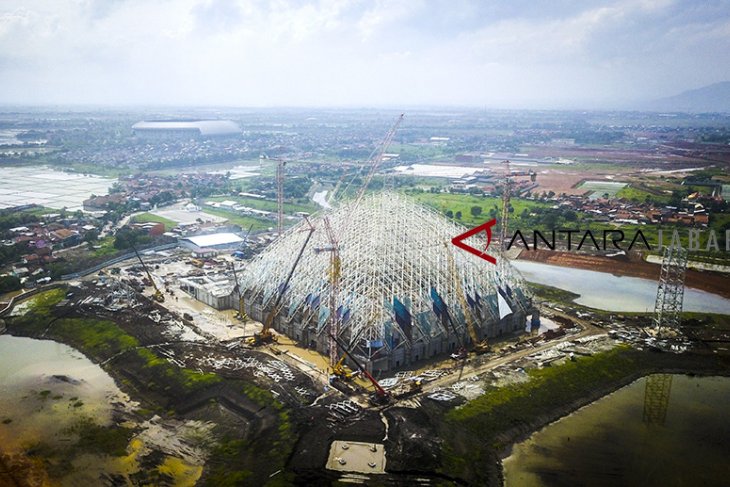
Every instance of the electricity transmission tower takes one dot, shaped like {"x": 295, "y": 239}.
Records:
{"x": 670, "y": 292}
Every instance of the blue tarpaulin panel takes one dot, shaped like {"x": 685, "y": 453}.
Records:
{"x": 403, "y": 318}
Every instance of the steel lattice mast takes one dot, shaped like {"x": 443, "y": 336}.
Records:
{"x": 670, "y": 292}
{"x": 334, "y": 291}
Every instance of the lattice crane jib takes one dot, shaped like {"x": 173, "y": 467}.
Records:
{"x": 506, "y": 197}
{"x": 280, "y": 165}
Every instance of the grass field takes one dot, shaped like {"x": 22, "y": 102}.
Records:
{"x": 40, "y": 211}
{"x": 411, "y": 153}
{"x": 639, "y": 195}
{"x": 444, "y": 202}
{"x": 106, "y": 247}
{"x": 98, "y": 169}
{"x": 266, "y": 205}
{"x": 149, "y": 217}
{"x": 550, "y": 218}
{"x": 243, "y": 221}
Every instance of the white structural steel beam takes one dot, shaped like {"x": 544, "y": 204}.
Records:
{"x": 389, "y": 247}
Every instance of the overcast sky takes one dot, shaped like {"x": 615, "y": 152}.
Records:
{"x": 500, "y": 54}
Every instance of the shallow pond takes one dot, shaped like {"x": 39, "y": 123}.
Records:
{"x": 50, "y": 394}
{"x": 45, "y": 386}
{"x": 668, "y": 430}
{"x": 605, "y": 291}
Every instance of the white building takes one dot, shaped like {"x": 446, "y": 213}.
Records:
{"x": 213, "y": 241}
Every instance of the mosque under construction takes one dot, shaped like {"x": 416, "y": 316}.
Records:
{"x": 402, "y": 293}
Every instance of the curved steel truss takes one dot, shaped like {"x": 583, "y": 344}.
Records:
{"x": 394, "y": 257}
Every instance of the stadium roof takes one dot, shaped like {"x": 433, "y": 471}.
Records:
{"x": 204, "y": 127}
{"x": 394, "y": 252}
{"x": 214, "y": 239}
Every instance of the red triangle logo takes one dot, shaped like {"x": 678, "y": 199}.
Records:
{"x": 484, "y": 227}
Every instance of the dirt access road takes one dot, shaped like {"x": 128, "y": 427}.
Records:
{"x": 480, "y": 368}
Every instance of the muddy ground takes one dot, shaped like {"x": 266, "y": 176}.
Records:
{"x": 269, "y": 433}
{"x": 274, "y": 424}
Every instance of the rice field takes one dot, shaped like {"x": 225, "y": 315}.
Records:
{"x": 48, "y": 187}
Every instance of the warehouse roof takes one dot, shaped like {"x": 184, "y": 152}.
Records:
{"x": 214, "y": 239}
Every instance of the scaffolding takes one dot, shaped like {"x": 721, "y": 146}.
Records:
{"x": 670, "y": 292}
{"x": 393, "y": 268}
{"x": 120, "y": 295}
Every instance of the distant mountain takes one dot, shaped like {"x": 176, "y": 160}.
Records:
{"x": 711, "y": 98}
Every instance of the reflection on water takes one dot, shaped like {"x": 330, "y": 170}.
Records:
{"x": 665, "y": 430}
{"x": 657, "y": 391}
{"x": 606, "y": 291}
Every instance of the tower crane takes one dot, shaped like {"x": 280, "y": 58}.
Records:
{"x": 280, "y": 195}
{"x": 334, "y": 275}
{"x": 266, "y": 335}
{"x": 506, "y": 198}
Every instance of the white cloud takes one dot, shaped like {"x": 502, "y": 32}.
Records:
{"x": 329, "y": 52}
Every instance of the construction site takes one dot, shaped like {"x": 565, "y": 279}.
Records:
{"x": 355, "y": 346}
{"x": 355, "y": 415}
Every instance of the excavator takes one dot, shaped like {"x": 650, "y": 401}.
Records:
{"x": 158, "y": 296}
{"x": 267, "y": 335}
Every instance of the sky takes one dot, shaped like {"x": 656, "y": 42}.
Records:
{"x": 398, "y": 53}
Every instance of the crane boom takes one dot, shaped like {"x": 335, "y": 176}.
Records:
{"x": 479, "y": 346}
{"x": 237, "y": 288}
{"x": 335, "y": 269}
{"x": 506, "y": 196}
{"x": 280, "y": 163}
{"x": 381, "y": 393}
{"x": 266, "y": 335}
{"x": 248, "y": 232}
{"x": 159, "y": 297}
{"x": 333, "y": 195}
{"x": 378, "y": 158}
